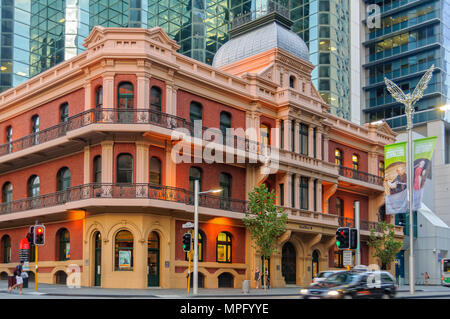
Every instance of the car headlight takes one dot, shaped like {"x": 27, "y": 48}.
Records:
{"x": 304, "y": 291}
{"x": 333, "y": 293}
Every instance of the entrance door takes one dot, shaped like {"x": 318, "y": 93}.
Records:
{"x": 153, "y": 260}
{"x": 288, "y": 264}
{"x": 315, "y": 263}
{"x": 98, "y": 259}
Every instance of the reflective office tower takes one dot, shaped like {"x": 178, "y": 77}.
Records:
{"x": 408, "y": 37}
{"x": 325, "y": 27}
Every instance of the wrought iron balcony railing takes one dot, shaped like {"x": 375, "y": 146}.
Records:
{"x": 121, "y": 116}
{"x": 123, "y": 191}
{"x": 361, "y": 176}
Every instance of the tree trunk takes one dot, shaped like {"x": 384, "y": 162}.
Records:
{"x": 264, "y": 272}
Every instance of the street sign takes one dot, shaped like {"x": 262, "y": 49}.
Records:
{"x": 188, "y": 225}
{"x": 347, "y": 256}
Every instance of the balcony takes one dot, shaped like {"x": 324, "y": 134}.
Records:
{"x": 95, "y": 121}
{"x": 366, "y": 226}
{"x": 366, "y": 178}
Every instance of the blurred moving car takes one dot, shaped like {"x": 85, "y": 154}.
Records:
{"x": 321, "y": 276}
{"x": 353, "y": 284}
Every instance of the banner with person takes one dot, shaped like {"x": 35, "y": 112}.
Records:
{"x": 395, "y": 182}
{"x": 423, "y": 151}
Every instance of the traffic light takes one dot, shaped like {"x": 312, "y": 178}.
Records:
{"x": 343, "y": 238}
{"x": 187, "y": 242}
{"x": 353, "y": 238}
{"x": 39, "y": 235}
{"x": 30, "y": 235}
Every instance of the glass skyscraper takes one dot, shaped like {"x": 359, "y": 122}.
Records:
{"x": 412, "y": 36}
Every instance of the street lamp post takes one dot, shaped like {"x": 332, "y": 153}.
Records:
{"x": 196, "y": 198}
{"x": 408, "y": 100}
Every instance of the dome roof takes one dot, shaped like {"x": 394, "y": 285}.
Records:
{"x": 266, "y": 37}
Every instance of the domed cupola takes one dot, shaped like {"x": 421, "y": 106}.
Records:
{"x": 260, "y": 35}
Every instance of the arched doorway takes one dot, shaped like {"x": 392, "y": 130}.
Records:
{"x": 288, "y": 263}
{"x": 60, "y": 277}
{"x": 97, "y": 259}
{"x": 226, "y": 280}
{"x": 153, "y": 259}
{"x": 315, "y": 263}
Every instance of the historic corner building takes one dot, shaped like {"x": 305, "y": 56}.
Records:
{"x": 86, "y": 150}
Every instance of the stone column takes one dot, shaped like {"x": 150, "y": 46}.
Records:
{"x": 311, "y": 141}
{"x": 297, "y": 191}
{"x": 171, "y": 99}
{"x": 108, "y": 90}
{"x": 372, "y": 165}
{"x": 310, "y": 194}
{"x": 87, "y": 95}
{"x": 287, "y": 134}
{"x": 277, "y": 134}
{"x": 288, "y": 192}
{"x": 171, "y": 167}
{"x": 143, "y": 90}
{"x": 319, "y": 196}
{"x": 319, "y": 144}
{"x": 107, "y": 161}
{"x": 142, "y": 168}
{"x": 325, "y": 148}
{"x": 297, "y": 136}
{"x": 87, "y": 165}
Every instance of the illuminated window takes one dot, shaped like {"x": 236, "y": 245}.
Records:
{"x": 355, "y": 162}
{"x": 265, "y": 134}
{"x": 224, "y": 247}
{"x": 338, "y": 157}
{"x": 381, "y": 169}
{"x": 63, "y": 239}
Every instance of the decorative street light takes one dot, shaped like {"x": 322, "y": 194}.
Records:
{"x": 408, "y": 100}
{"x": 196, "y": 196}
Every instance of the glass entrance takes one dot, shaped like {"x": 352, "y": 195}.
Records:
{"x": 98, "y": 259}
{"x": 288, "y": 264}
{"x": 153, "y": 260}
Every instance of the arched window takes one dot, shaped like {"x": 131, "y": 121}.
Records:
{"x": 64, "y": 113}
{"x": 125, "y": 168}
{"x": 35, "y": 128}
{"x": 381, "y": 169}
{"x": 6, "y": 249}
{"x": 155, "y": 171}
{"x": 292, "y": 82}
{"x": 195, "y": 112}
{"x": 338, "y": 157}
{"x": 355, "y": 162}
{"x": 155, "y": 99}
{"x": 225, "y": 123}
{"x": 9, "y": 133}
{"x": 97, "y": 169}
{"x": 123, "y": 253}
{"x": 125, "y": 95}
{"x": 33, "y": 186}
{"x": 223, "y": 247}
{"x": 125, "y": 102}
{"x": 63, "y": 179}
{"x": 7, "y": 192}
{"x": 99, "y": 97}
{"x": 265, "y": 134}
{"x": 195, "y": 173}
{"x": 63, "y": 240}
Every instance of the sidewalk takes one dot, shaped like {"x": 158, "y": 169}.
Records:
{"x": 62, "y": 290}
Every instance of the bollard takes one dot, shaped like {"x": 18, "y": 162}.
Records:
{"x": 246, "y": 286}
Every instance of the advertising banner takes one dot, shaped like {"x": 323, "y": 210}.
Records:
{"x": 423, "y": 151}
{"x": 395, "y": 184}
{"x": 124, "y": 259}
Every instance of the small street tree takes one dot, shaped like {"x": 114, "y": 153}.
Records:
{"x": 384, "y": 243}
{"x": 265, "y": 221}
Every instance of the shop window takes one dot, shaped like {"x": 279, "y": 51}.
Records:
{"x": 224, "y": 247}
{"x": 201, "y": 245}
{"x": 63, "y": 240}
{"x": 123, "y": 250}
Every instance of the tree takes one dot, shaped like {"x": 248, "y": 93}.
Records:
{"x": 265, "y": 221}
{"x": 384, "y": 243}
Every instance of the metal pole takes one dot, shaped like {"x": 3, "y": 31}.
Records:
{"x": 36, "y": 268}
{"x": 410, "y": 174}
{"x": 357, "y": 226}
{"x": 196, "y": 191}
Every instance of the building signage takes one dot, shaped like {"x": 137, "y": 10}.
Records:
{"x": 348, "y": 258}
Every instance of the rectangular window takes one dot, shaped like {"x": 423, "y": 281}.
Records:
{"x": 293, "y": 190}
{"x": 304, "y": 193}
{"x": 303, "y": 139}
{"x": 281, "y": 194}
{"x": 292, "y": 136}
{"x": 282, "y": 134}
